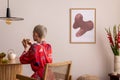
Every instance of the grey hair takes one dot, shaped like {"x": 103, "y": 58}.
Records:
{"x": 41, "y": 31}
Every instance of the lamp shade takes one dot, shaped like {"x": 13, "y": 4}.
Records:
{"x": 8, "y": 16}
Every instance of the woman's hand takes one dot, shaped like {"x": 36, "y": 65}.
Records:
{"x": 26, "y": 42}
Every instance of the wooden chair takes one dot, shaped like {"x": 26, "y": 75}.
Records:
{"x": 58, "y": 71}
{"x": 53, "y": 71}
{"x": 22, "y": 77}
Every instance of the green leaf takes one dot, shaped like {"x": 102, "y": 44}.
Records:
{"x": 107, "y": 31}
{"x": 114, "y": 32}
{"x": 115, "y": 50}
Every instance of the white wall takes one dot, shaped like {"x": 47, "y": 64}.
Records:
{"x": 94, "y": 59}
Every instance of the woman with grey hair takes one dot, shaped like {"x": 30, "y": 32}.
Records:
{"x": 38, "y": 54}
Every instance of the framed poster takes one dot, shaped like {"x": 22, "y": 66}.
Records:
{"x": 83, "y": 25}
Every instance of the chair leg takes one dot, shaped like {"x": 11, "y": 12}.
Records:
{"x": 70, "y": 77}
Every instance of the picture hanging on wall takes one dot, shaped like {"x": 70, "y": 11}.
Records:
{"x": 83, "y": 25}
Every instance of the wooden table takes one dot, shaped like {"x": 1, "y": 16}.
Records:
{"x": 9, "y": 70}
{"x": 114, "y": 77}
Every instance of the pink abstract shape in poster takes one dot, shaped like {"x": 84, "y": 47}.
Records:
{"x": 83, "y": 25}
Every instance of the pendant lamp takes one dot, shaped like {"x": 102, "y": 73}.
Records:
{"x": 8, "y": 17}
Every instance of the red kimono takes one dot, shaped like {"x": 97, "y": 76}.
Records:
{"x": 37, "y": 56}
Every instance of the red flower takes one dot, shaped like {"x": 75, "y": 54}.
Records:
{"x": 110, "y": 39}
{"x": 114, "y": 39}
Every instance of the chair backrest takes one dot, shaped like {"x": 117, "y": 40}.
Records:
{"x": 57, "y": 71}
{"x": 22, "y": 77}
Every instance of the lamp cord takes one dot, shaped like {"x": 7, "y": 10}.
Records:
{"x": 7, "y": 3}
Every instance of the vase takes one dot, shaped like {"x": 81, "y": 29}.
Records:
{"x": 117, "y": 64}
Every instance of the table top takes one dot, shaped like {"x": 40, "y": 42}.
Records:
{"x": 11, "y": 62}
